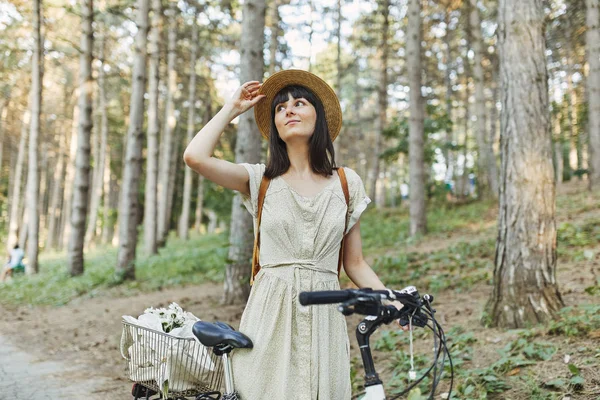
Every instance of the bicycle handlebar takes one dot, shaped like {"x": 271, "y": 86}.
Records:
{"x": 409, "y": 296}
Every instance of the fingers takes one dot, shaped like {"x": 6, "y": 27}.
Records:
{"x": 257, "y": 99}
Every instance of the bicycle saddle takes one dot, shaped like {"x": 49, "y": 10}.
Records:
{"x": 219, "y": 334}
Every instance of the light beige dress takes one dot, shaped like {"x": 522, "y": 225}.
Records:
{"x": 300, "y": 353}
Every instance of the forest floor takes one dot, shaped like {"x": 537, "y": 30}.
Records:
{"x": 559, "y": 361}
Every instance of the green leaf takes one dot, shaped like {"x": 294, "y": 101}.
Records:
{"x": 555, "y": 383}
{"x": 577, "y": 380}
{"x": 573, "y": 368}
{"x": 415, "y": 394}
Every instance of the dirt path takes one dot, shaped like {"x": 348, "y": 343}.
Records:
{"x": 83, "y": 337}
{"x": 24, "y": 377}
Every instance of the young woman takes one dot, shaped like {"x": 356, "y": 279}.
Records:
{"x": 299, "y": 352}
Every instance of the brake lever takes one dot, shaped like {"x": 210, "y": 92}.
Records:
{"x": 418, "y": 319}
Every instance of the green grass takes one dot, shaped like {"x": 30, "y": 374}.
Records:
{"x": 200, "y": 259}
{"x": 389, "y": 228}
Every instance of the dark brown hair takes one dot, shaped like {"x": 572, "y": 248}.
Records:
{"x": 321, "y": 153}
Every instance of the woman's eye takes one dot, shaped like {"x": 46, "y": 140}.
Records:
{"x": 300, "y": 102}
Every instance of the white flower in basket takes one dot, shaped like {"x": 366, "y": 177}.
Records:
{"x": 174, "y": 364}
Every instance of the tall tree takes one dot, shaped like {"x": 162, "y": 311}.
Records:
{"x": 150, "y": 201}
{"x": 184, "y": 218}
{"x": 525, "y": 287}
{"x": 33, "y": 184}
{"x": 129, "y": 203}
{"x": 382, "y": 101}
{"x": 14, "y": 227}
{"x": 593, "y": 82}
{"x": 100, "y": 160}
{"x": 167, "y": 141}
{"x": 418, "y": 223}
{"x": 247, "y": 149}
{"x": 487, "y": 182}
{"x": 82, "y": 161}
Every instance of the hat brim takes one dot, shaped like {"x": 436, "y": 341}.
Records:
{"x": 281, "y": 79}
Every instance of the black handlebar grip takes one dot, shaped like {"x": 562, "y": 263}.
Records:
{"x": 324, "y": 297}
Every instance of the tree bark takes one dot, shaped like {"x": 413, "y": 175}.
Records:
{"x": 129, "y": 203}
{"x": 33, "y": 185}
{"x": 97, "y": 183}
{"x": 247, "y": 149}
{"x": 187, "y": 180}
{"x": 525, "y": 288}
{"x": 418, "y": 223}
{"x": 150, "y": 201}
{"x": 593, "y": 81}
{"x": 82, "y": 160}
{"x": 167, "y": 142}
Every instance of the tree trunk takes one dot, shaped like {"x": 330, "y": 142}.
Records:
{"x": 33, "y": 184}
{"x": 418, "y": 223}
{"x": 65, "y": 231}
{"x": 110, "y": 202}
{"x": 247, "y": 149}
{"x": 449, "y": 137}
{"x": 525, "y": 288}
{"x": 14, "y": 227}
{"x": 173, "y": 168}
{"x": 3, "y": 113}
{"x": 381, "y": 101}
{"x": 167, "y": 138}
{"x": 82, "y": 160}
{"x": 150, "y": 201}
{"x": 275, "y": 31}
{"x": 593, "y": 81}
{"x": 483, "y": 144}
{"x": 43, "y": 190}
{"x": 187, "y": 180}
{"x": 491, "y": 159}
{"x": 99, "y": 162}
{"x": 337, "y": 145}
{"x": 55, "y": 199}
{"x": 129, "y": 203}
{"x": 199, "y": 204}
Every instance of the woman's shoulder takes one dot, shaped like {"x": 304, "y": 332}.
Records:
{"x": 351, "y": 175}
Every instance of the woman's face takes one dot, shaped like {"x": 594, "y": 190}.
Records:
{"x": 295, "y": 119}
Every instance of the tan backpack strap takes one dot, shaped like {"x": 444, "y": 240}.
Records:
{"x": 264, "y": 185}
{"x": 344, "y": 183}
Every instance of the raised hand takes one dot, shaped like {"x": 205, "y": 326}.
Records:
{"x": 245, "y": 97}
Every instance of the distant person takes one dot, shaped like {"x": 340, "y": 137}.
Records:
{"x": 15, "y": 262}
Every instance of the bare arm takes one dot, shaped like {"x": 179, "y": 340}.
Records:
{"x": 355, "y": 265}
{"x": 357, "y": 268}
{"x": 199, "y": 153}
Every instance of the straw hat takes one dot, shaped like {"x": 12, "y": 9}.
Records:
{"x": 281, "y": 79}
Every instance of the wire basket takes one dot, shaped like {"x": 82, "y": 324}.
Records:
{"x": 171, "y": 365}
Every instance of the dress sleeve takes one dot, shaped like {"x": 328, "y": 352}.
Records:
{"x": 255, "y": 172}
{"x": 358, "y": 197}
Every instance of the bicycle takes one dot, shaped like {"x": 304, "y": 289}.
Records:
{"x": 417, "y": 312}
